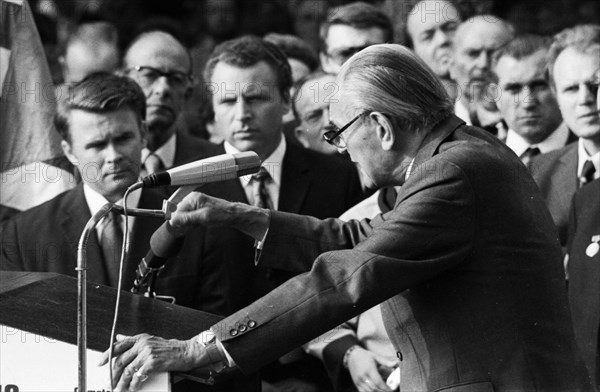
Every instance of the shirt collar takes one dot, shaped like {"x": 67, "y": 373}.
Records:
{"x": 166, "y": 152}
{"x": 273, "y": 163}
{"x": 557, "y": 139}
{"x": 462, "y": 112}
{"x": 583, "y": 157}
{"x": 95, "y": 200}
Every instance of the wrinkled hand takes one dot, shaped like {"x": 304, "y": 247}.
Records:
{"x": 362, "y": 365}
{"x": 198, "y": 208}
{"x": 136, "y": 358}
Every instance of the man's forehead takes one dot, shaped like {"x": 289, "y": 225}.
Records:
{"x": 429, "y": 14}
{"x": 345, "y": 36}
{"x": 159, "y": 51}
{"x": 528, "y": 67}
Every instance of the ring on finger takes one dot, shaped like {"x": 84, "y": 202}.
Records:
{"x": 140, "y": 376}
{"x": 130, "y": 370}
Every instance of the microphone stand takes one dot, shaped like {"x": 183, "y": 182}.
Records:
{"x": 82, "y": 279}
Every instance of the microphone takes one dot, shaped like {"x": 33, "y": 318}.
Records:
{"x": 218, "y": 168}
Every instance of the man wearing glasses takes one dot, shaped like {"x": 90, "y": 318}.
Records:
{"x": 467, "y": 263}
{"x": 349, "y": 29}
{"x": 161, "y": 65}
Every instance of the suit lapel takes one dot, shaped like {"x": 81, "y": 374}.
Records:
{"x": 567, "y": 172}
{"x": 75, "y": 214}
{"x": 230, "y": 190}
{"x": 295, "y": 181}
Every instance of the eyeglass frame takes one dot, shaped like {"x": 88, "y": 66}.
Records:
{"x": 331, "y": 136}
{"x": 187, "y": 76}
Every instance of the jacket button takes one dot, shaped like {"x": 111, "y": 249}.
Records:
{"x": 242, "y": 328}
{"x": 399, "y": 355}
{"x": 252, "y": 323}
{"x": 233, "y": 332}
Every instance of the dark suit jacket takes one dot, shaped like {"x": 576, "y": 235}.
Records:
{"x": 584, "y": 274}
{"x": 190, "y": 148}
{"x": 311, "y": 184}
{"x": 556, "y": 176}
{"x": 467, "y": 260}
{"x": 45, "y": 238}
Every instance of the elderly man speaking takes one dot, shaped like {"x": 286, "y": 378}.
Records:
{"x": 467, "y": 264}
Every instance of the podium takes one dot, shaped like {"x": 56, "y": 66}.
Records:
{"x": 40, "y": 309}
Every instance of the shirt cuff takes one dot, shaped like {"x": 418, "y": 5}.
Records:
{"x": 208, "y": 335}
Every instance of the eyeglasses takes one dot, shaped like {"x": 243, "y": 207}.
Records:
{"x": 341, "y": 55}
{"x": 333, "y": 135}
{"x": 148, "y": 75}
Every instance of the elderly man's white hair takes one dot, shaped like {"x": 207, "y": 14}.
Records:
{"x": 391, "y": 79}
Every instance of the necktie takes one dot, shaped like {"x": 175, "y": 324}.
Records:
{"x": 111, "y": 242}
{"x": 153, "y": 164}
{"x": 587, "y": 174}
{"x": 528, "y": 155}
{"x": 260, "y": 195}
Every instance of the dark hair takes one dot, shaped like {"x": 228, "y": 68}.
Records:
{"x": 359, "y": 15}
{"x": 522, "y": 46}
{"x": 581, "y": 37}
{"x": 300, "y": 83}
{"x": 247, "y": 51}
{"x": 99, "y": 92}
{"x": 296, "y": 48}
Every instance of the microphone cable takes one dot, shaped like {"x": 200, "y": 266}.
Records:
{"x": 124, "y": 251}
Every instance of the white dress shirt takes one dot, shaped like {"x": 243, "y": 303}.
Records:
{"x": 583, "y": 157}
{"x": 95, "y": 201}
{"x": 166, "y": 152}
{"x": 461, "y": 111}
{"x": 273, "y": 164}
{"x": 554, "y": 141}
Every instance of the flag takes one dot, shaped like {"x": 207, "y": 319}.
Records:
{"x": 29, "y": 145}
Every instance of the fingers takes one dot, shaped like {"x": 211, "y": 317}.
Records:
{"x": 137, "y": 379}
{"x": 123, "y": 344}
{"x": 367, "y": 384}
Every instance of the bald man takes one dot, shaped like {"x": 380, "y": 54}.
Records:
{"x": 475, "y": 41}
{"x": 162, "y": 67}
{"x": 93, "y": 47}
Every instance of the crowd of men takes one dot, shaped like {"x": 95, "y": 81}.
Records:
{"x": 477, "y": 183}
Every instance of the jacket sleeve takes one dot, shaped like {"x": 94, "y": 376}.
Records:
{"x": 429, "y": 232}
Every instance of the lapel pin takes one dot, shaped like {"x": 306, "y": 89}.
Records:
{"x": 594, "y": 247}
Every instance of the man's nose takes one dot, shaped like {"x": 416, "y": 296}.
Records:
{"x": 242, "y": 110}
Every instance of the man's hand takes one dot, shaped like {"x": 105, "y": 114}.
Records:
{"x": 139, "y": 357}
{"x": 362, "y": 365}
{"x": 198, "y": 208}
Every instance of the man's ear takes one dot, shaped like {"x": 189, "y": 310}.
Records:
{"x": 68, "y": 151}
{"x": 384, "y": 130}
{"x": 302, "y": 137}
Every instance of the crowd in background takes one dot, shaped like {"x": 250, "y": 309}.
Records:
{"x": 538, "y": 114}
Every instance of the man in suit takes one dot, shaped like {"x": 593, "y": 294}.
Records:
{"x": 526, "y": 101}
{"x": 574, "y": 59}
{"x": 475, "y": 41}
{"x": 430, "y": 27}
{"x": 584, "y": 274}
{"x": 466, "y": 261}
{"x": 251, "y": 79}
{"x": 348, "y": 29}
{"x": 161, "y": 65}
{"x": 102, "y": 130}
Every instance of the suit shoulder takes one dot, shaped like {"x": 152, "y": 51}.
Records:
{"x": 45, "y": 214}
{"x": 545, "y": 164}
{"x": 190, "y": 148}
{"x": 315, "y": 158}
